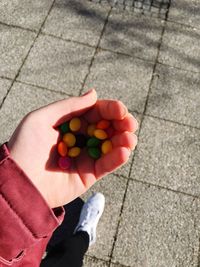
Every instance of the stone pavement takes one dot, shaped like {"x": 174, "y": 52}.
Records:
{"x": 50, "y": 49}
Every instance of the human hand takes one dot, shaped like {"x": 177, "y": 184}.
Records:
{"x": 31, "y": 146}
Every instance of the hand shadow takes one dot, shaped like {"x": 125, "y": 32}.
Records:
{"x": 52, "y": 162}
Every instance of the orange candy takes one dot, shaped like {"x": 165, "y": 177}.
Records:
{"x": 75, "y": 124}
{"x": 69, "y": 139}
{"x": 103, "y": 124}
{"x": 100, "y": 134}
{"x": 90, "y": 130}
{"x": 62, "y": 149}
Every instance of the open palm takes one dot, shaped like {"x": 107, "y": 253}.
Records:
{"x": 33, "y": 146}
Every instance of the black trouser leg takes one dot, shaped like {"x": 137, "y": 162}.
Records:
{"x": 75, "y": 250}
{"x": 70, "y": 253}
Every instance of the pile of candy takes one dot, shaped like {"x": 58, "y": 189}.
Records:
{"x": 96, "y": 141}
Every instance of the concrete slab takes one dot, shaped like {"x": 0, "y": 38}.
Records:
{"x": 120, "y": 265}
{"x": 180, "y": 47}
{"x": 158, "y": 228}
{"x": 78, "y": 21}
{"x": 121, "y": 77}
{"x": 132, "y": 34}
{"x": 56, "y": 64}
{"x": 125, "y": 169}
{"x": 92, "y": 262}
{"x": 14, "y": 47}
{"x": 113, "y": 189}
{"x": 4, "y": 86}
{"x": 175, "y": 95}
{"x": 21, "y": 100}
{"x": 25, "y": 13}
{"x": 168, "y": 155}
{"x": 185, "y": 12}
{"x": 117, "y": 265}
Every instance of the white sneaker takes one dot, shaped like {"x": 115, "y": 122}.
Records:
{"x": 44, "y": 255}
{"x": 90, "y": 215}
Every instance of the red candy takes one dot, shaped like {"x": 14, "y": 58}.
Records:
{"x": 103, "y": 124}
{"x": 64, "y": 163}
{"x": 62, "y": 149}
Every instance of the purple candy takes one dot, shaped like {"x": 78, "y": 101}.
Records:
{"x": 64, "y": 163}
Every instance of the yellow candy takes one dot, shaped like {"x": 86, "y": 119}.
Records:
{"x": 100, "y": 134}
{"x": 90, "y": 130}
{"x": 75, "y": 124}
{"x": 74, "y": 152}
{"x": 69, "y": 139}
{"x": 106, "y": 147}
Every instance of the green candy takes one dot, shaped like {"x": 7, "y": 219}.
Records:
{"x": 64, "y": 128}
{"x": 94, "y": 152}
{"x": 93, "y": 141}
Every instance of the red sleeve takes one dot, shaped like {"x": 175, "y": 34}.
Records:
{"x": 25, "y": 217}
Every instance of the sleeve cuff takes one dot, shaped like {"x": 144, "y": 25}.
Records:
{"x": 25, "y": 213}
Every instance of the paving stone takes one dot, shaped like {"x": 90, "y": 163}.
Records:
{"x": 4, "y": 86}
{"x": 92, "y": 262}
{"x": 185, "y": 12}
{"x": 14, "y": 46}
{"x": 113, "y": 189}
{"x": 78, "y": 21}
{"x": 121, "y": 77}
{"x": 158, "y": 228}
{"x": 56, "y": 64}
{"x": 125, "y": 169}
{"x": 180, "y": 47}
{"x": 175, "y": 95}
{"x": 21, "y": 100}
{"x": 168, "y": 155}
{"x": 132, "y": 34}
{"x": 118, "y": 265}
{"x": 25, "y": 13}
{"x": 145, "y": 7}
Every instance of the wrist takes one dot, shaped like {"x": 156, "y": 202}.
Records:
{"x": 16, "y": 155}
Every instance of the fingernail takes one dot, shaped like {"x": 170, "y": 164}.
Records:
{"x": 129, "y": 150}
{"x": 88, "y": 92}
{"x": 125, "y": 111}
{"x": 137, "y": 125}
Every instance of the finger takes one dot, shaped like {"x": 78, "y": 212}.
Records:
{"x": 93, "y": 115}
{"x": 129, "y": 123}
{"x": 60, "y": 111}
{"x": 125, "y": 139}
{"x": 85, "y": 168}
{"x": 106, "y": 109}
{"x": 111, "y": 161}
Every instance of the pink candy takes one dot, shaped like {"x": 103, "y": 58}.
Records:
{"x": 64, "y": 163}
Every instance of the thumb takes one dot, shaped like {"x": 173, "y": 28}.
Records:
{"x": 62, "y": 110}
